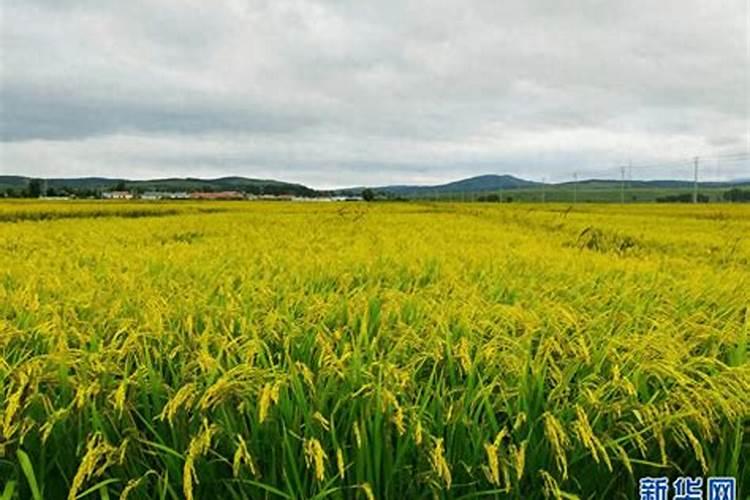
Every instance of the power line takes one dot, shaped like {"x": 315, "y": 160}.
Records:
{"x": 686, "y": 162}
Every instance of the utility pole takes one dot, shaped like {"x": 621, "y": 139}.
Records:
{"x": 575, "y": 187}
{"x": 622, "y": 185}
{"x": 695, "y": 180}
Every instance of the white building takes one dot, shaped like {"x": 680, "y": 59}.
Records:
{"x": 164, "y": 195}
{"x": 117, "y": 195}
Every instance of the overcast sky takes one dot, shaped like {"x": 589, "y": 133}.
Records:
{"x": 336, "y": 93}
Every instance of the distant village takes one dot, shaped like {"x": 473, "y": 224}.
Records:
{"x": 217, "y": 195}
{"x": 41, "y": 189}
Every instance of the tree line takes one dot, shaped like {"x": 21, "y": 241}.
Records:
{"x": 37, "y": 188}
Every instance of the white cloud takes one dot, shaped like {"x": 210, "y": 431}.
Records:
{"x": 334, "y": 93}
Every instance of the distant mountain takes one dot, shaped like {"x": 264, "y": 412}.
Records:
{"x": 189, "y": 184}
{"x": 471, "y": 184}
{"x": 13, "y": 182}
{"x": 510, "y": 187}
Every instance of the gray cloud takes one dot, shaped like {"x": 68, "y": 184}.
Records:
{"x": 46, "y": 113}
{"x": 334, "y": 93}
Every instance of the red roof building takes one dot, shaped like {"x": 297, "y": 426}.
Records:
{"x": 221, "y": 195}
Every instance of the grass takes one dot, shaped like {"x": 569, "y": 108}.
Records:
{"x": 586, "y": 193}
{"x": 280, "y": 350}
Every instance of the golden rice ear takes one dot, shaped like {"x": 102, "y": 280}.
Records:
{"x": 315, "y": 458}
{"x": 199, "y": 445}
{"x": 439, "y": 465}
{"x": 493, "y": 463}
{"x": 340, "y": 463}
{"x": 98, "y": 457}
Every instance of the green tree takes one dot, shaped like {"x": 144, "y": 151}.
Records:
{"x": 737, "y": 194}
{"x": 35, "y": 188}
{"x": 368, "y": 195}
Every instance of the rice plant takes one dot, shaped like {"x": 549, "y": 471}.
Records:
{"x": 267, "y": 350}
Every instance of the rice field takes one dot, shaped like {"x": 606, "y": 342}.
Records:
{"x": 416, "y": 350}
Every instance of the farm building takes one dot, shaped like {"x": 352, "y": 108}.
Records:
{"x": 117, "y": 195}
{"x": 164, "y": 195}
{"x": 221, "y": 195}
